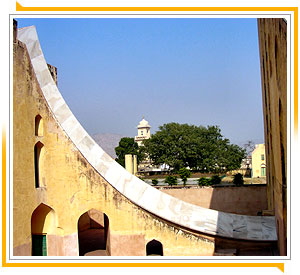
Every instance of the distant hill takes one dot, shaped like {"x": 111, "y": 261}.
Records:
{"x": 108, "y": 142}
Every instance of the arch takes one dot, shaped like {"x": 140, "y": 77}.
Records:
{"x": 38, "y": 164}
{"x": 154, "y": 248}
{"x": 38, "y": 126}
{"x": 42, "y": 224}
{"x": 93, "y": 234}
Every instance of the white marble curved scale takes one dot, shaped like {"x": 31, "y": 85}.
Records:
{"x": 203, "y": 220}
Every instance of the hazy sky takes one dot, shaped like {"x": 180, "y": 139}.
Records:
{"x": 111, "y": 72}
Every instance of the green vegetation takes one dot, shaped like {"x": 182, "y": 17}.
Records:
{"x": 184, "y": 174}
{"x": 238, "y": 179}
{"x": 154, "y": 182}
{"x": 128, "y": 146}
{"x": 171, "y": 180}
{"x": 204, "y": 181}
{"x": 209, "y": 181}
{"x": 215, "y": 179}
{"x": 201, "y": 149}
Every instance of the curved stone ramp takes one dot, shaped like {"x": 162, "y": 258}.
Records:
{"x": 212, "y": 222}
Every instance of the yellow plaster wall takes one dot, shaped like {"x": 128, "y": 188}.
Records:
{"x": 71, "y": 186}
{"x": 257, "y": 162}
{"x": 272, "y": 34}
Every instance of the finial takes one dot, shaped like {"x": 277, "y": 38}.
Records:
{"x": 143, "y": 116}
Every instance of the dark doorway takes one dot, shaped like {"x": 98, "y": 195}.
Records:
{"x": 154, "y": 248}
{"x": 93, "y": 233}
{"x": 39, "y": 245}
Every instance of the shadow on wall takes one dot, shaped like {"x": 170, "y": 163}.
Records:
{"x": 243, "y": 200}
{"x": 251, "y": 205}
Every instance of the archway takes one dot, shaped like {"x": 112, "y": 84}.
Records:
{"x": 93, "y": 234}
{"x": 154, "y": 248}
{"x": 42, "y": 224}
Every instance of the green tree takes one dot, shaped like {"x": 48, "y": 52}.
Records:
{"x": 170, "y": 145}
{"x": 128, "y": 146}
{"x": 184, "y": 174}
{"x": 197, "y": 147}
{"x": 204, "y": 181}
{"x": 171, "y": 180}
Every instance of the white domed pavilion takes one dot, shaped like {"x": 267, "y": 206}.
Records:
{"x": 143, "y": 131}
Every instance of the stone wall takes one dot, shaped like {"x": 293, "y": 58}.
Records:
{"x": 273, "y": 60}
{"x": 244, "y": 200}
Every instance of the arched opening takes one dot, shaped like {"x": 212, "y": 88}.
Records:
{"x": 93, "y": 234}
{"x": 38, "y": 164}
{"x": 39, "y": 127}
{"x": 42, "y": 224}
{"x": 154, "y": 248}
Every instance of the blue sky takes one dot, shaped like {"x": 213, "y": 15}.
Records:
{"x": 113, "y": 71}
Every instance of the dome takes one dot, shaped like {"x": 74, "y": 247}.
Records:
{"x": 144, "y": 124}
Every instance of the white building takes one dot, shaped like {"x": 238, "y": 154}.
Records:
{"x": 143, "y": 131}
{"x": 143, "y": 134}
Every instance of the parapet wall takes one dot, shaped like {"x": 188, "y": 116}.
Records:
{"x": 244, "y": 200}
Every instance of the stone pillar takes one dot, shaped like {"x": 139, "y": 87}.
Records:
{"x": 129, "y": 163}
{"x": 135, "y": 164}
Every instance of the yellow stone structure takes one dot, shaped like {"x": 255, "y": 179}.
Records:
{"x": 131, "y": 163}
{"x": 68, "y": 187}
{"x": 71, "y": 199}
{"x": 272, "y": 34}
{"x": 259, "y": 161}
